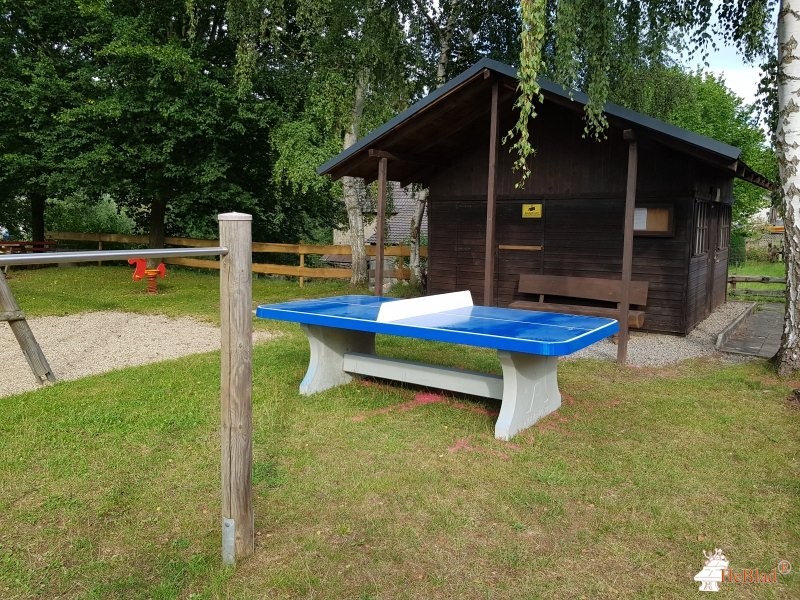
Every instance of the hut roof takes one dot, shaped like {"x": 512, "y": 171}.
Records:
{"x": 421, "y": 137}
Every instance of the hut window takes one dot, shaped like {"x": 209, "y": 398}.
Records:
{"x": 653, "y": 220}
{"x": 724, "y": 232}
{"x": 700, "y": 229}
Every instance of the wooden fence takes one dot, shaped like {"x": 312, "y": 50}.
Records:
{"x": 302, "y": 250}
{"x": 767, "y": 293}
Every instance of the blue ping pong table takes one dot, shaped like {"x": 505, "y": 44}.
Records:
{"x": 341, "y": 333}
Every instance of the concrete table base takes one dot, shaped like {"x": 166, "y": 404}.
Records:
{"x": 528, "y": 388}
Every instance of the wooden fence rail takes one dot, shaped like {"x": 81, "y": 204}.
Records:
{"x": 302, "y": 250}
{"x": 734, "y": 279}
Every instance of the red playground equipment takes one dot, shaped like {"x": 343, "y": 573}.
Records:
{"x": 142, "y": 271}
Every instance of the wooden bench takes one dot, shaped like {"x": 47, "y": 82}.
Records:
{"x": 25, "y": 247}
{"x": 582, "y": 296}
{"x": 7, "y": 247}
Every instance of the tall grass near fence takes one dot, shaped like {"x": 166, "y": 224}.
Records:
{"x": 109, "y": 486}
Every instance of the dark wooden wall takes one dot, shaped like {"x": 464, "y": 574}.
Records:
{"x": 581, "y": 185}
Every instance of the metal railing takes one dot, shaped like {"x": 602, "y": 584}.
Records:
{"x": 46, "y": 258}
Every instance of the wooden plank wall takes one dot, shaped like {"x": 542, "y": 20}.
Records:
{"x": 460, "y": 246}
{"x": 581, "y": 184}
{"x": 584, "y": 238}
{"x": 513, "y": 230}
{"x": 580, "y": 237}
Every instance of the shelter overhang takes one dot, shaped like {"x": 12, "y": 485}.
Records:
{"x": 419, "y": 141}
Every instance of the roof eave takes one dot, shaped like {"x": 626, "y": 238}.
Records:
{"x": 712, "y": 150}
{"x": 415, "y": 108}
{"x": 747, "y": 173}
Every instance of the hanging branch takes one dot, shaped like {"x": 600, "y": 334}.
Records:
{"x": 533, "y": 34}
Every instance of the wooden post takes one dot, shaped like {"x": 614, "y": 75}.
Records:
{"x": 9, "y": 311}
{"x": 235, "y": 234}
{"x": 383, "y": 164}
{"x": 99, "y": 247}
{"x": 302, "y": 264}
{"x": 627, "y": 247}
{"x": 491, "y": 204}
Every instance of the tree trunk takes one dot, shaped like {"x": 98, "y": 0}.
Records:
{"x": 445, "y": 38}
{"x": 352, "y": 200}
{"x": 788, "y": 153}
{"x": 417, "y": 279}
{"x": 355, "y": 220}
{"x": 37, "y": 216}
{"x": 157, "y": 235}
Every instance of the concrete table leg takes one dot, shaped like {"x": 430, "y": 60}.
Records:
{"x": 328, "y": 347}
{"x": 530, "y": 391}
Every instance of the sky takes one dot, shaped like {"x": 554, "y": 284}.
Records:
{"x": 740, "y": 77}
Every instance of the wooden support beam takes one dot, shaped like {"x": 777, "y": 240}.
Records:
{"x": 627, "y": 246}
{"x": 408, "y": 158}
{"x": 383, "y": 164}
{"x": 22, "y": 331}
{"x": 491, "y": 202}
{"x": 517, "y": 247}
{"x": 236, "y": 387}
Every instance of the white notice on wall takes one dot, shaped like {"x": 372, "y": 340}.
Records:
{"x": 640, "y": 219}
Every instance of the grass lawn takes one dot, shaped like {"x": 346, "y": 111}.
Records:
{"x": 109, "y": 485}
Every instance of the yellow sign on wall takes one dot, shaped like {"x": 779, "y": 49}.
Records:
{"x": 531, "y": 211}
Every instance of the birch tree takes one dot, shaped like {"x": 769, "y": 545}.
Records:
{"x": 788, "y": 149}
{"x": 442, "y": 21}
{"x": 449, "y": 36}
{"x": 352, "y": 53}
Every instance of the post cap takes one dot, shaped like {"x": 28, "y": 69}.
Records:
{"x": 234, "y": 216}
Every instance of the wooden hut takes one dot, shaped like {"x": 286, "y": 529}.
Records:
{"x": 651, "y": 202}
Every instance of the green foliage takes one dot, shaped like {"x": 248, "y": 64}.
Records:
{"x": 533, "y": 33}
{"x": 77, "y": 213}
{"x": 42, "y": 47}
{"x": 475, "y": 33}
{"x": 737, "y": 253}
{"x": 588, "y": 44}
{"x": 169, "y": 104}
{"x": 301, "y": 148}
{"x": 343, "y": 46}
{"x": 165, "y": 122}
{"x": 14, "y": 216}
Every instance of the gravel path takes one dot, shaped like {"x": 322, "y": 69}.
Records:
{"x": 90, "y": 343}
{"x": 96, "y": 342}
{"x": 655, "y": 350}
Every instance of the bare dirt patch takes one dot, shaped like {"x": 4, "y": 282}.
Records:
{"x": 90, "y": 343}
